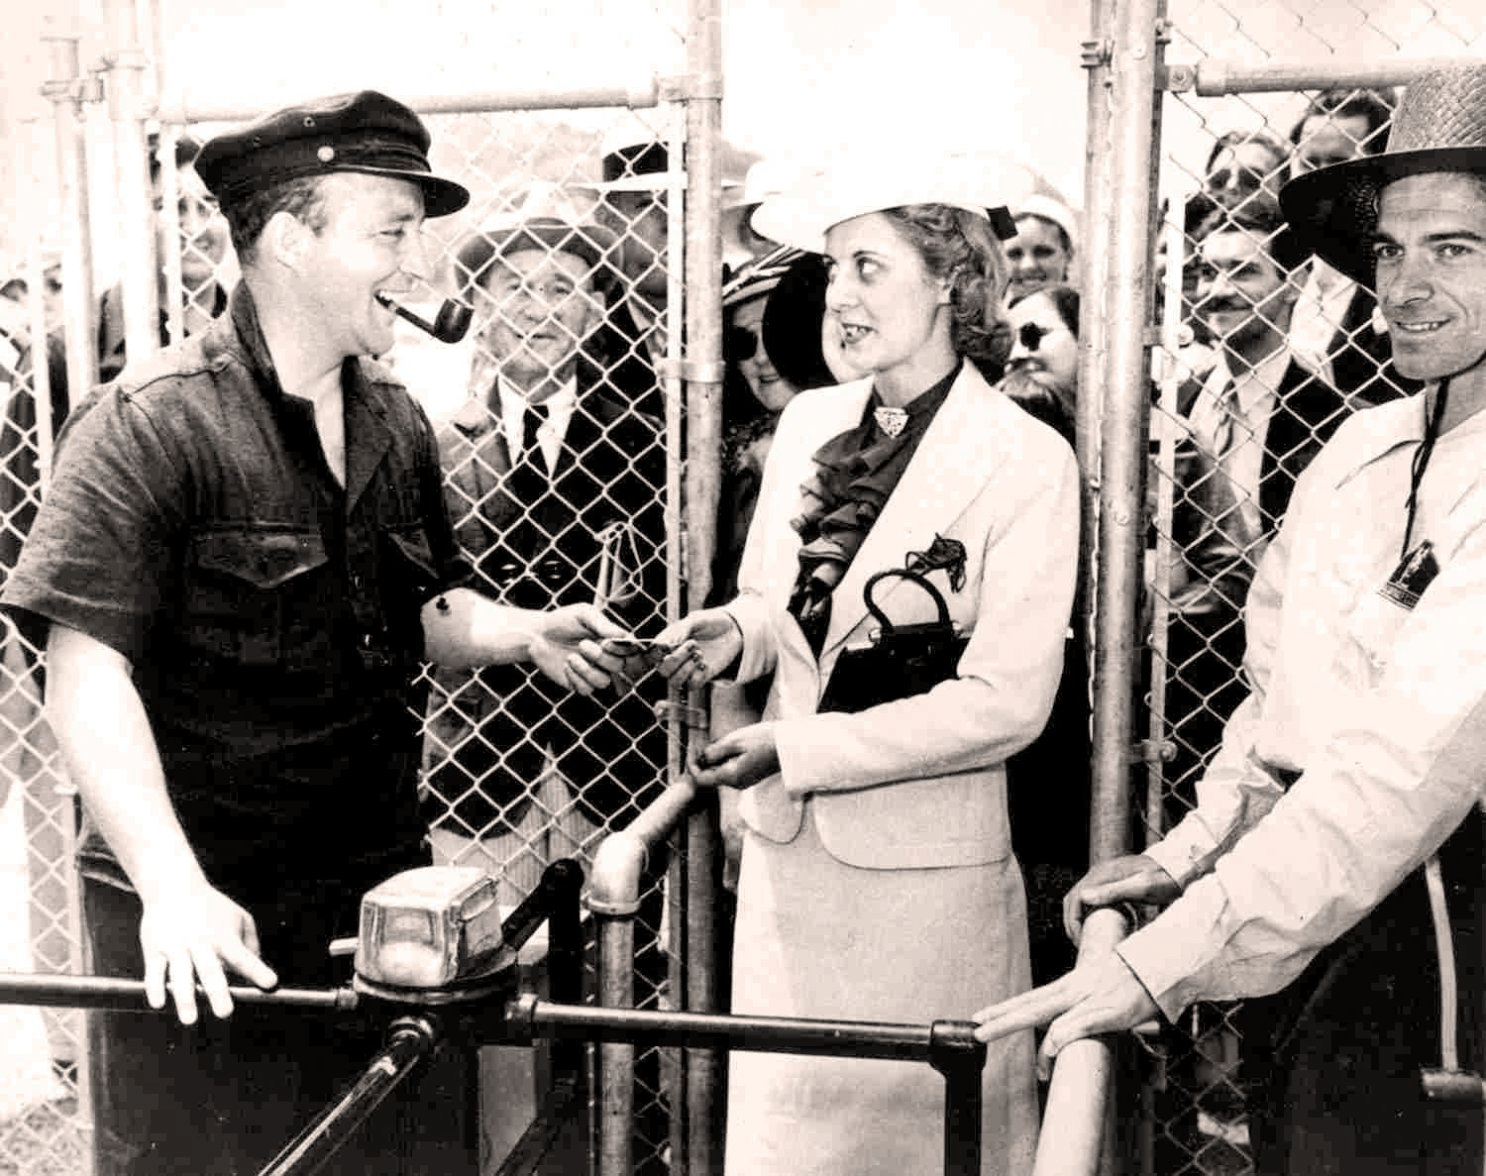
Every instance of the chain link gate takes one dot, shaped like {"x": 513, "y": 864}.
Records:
{"x": 515, "y": 775}
{"x": 1249, "y": 94}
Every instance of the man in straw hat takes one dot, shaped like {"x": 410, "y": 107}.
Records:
{"x": 242, "y": 560}
{"x": 554, "y": 486}
{"x": 1334, "y": 858}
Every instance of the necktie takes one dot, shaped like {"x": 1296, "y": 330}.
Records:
{"x": 533, "y": 419}
{"x": 1225, "y": 416}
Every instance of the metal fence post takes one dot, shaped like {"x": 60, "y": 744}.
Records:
{"x": 1133, "y": 49}
{"x": 124, "y": 74}
{"x": 700, "y": 1153}
{"x": 69, "y": 90}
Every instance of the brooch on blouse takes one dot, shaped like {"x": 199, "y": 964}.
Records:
{"x": 890, "y": 420}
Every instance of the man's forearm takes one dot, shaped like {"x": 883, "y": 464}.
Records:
{"x": 110, "y": 752}
{"x": 462, "y": 629}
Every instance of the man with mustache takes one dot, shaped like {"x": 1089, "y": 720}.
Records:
{"x": 1332, "y": 873}
{"x": 1254, "y": 422}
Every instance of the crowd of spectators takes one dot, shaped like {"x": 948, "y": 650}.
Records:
{"x": 555, "y": 472}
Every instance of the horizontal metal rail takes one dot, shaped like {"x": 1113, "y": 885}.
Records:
{"x": 948, "y": 1046}
{"x": 635, "y": 93}
{"x": 1214, "y": 79}
{"x": 97, "y": 992}
{"x": 865, "y": 1039}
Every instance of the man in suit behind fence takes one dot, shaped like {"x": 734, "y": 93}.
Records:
{"x": 554, "y": 483}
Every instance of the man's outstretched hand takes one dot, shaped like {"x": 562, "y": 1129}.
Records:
{"x": 1099, "y": 996}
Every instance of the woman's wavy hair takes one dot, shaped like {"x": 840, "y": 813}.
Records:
{"x": 959, "y": 245}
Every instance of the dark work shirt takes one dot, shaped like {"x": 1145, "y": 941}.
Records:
{"x": 271, "y": 617}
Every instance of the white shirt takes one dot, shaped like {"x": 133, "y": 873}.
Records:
{"x": 1255, "y": 395}
{"x": 1384, "y": 710}
{"x": 560, "y": 406}
{"x": 1319, "y": 313}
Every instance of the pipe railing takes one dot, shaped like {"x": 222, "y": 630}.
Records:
{"x": 1214, "y": 78}
{"x": 613, "y": 896}
{"x": 1076, "y": 1119}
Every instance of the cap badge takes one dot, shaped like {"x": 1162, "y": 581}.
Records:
{"x": 326, "y": 153}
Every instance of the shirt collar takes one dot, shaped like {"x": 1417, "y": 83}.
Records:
{"x": 1382, "y": 429}
{"x": 559, "y": 405}
{"x": 242, "y": 313}
{"x": 1258, "y": 386}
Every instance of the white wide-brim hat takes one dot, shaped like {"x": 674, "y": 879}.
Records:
{"x": 854, "y": 186}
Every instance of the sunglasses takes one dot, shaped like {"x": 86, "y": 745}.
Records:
{"x": 741, "y": 343}
{"x": 1031, "y": 335}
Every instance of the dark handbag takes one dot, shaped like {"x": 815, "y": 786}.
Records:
{"x": 901, "y": 660}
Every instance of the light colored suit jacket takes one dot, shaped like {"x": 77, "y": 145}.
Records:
{"x": 919, "y": 782}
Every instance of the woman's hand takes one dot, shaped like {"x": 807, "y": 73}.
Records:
{"x": 702, "y": 646}
{"x": 739, "y": 759}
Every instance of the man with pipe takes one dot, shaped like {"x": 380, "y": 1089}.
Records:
{"x": 243, "y": 558}
{"x": 1333, "y": 866}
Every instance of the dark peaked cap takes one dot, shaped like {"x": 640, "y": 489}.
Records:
{"x": 365, "y": 132}
{"x": 1440, "y": 126}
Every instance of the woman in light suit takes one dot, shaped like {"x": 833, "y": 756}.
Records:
{"x": 877, "y": 879}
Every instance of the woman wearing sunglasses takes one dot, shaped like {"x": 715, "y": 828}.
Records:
{"x": 1042, "y": 369}
{"x": 877, "y": 880}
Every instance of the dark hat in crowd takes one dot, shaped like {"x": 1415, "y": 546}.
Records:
{"x": 634, "y": 158}
{"x": 1440, "y": 127}
{"x": 547, "y": 220}
{"x": 792, "y": 322}
{"x": 365, "y": 132}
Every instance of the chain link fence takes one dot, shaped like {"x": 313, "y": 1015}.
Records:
{"x": 1263, "y": 354}
{"x": 517, "y": 772}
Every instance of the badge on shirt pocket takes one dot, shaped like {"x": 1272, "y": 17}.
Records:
{"x": 1379, "y": 615}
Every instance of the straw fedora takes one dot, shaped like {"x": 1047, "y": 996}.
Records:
{"x": 1440, "y": 126}
{"x": 547, "y": 220}
{"x": 854, "y": 186}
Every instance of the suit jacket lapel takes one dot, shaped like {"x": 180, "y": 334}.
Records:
{"x": 951, "y": 465}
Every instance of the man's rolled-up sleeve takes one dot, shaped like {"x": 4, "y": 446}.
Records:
{"x": 102, "y": 550}
{"x": 1399, "y": 774}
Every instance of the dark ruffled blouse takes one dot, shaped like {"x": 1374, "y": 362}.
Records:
{"x": 855, "y": 474}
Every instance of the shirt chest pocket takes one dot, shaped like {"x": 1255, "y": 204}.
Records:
{"x": 259, "y": 596}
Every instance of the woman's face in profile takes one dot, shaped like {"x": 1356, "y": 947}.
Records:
{"x": 882, "y": 303}
{"x": 769, "y": 388}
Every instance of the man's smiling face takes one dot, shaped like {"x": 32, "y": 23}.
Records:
{"x": 1430, "y": 250}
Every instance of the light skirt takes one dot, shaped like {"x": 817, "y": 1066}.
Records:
{"x": 818, "y": 938}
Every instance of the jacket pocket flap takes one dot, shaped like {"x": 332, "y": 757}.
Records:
{"x": 265, "y": 559}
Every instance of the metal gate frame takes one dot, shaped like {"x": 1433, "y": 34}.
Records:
{"x": 691, "y": 377}
{"x": 1124, "y": 320}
